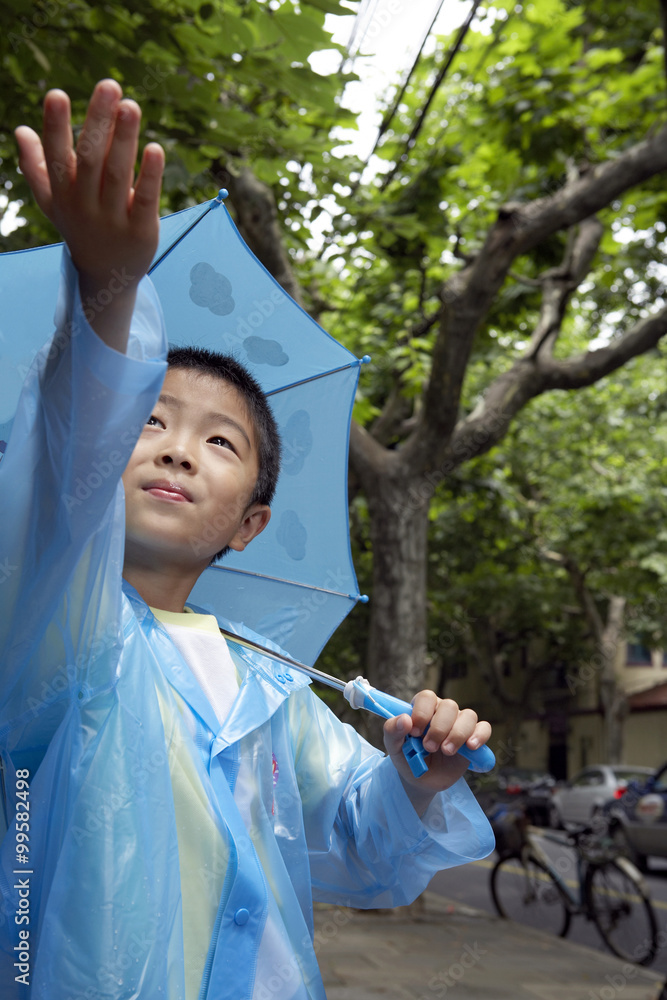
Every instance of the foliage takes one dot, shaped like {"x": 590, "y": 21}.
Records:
{"x": 217, "y": 80}
{"x": 538, "y": 92}
{"x": 581, "y": 479}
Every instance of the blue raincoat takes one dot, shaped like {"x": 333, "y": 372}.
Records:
{"x": 162, "y": 856}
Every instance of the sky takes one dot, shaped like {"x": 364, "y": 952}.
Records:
{"x": 389, "y": 33}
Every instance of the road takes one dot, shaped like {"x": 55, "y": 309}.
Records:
{"x": 470, "y": 885}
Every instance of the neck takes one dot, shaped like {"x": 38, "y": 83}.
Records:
{"x": 167, "y": 587}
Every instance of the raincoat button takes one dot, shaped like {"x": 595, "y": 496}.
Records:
{"x": 241, "y": 916}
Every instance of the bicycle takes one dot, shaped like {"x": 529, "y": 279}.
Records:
{"x": 526, "y": 886}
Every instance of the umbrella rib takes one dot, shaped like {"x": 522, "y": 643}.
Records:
{"x": 291, "y": 583}
{"x": 196, "y": 222}
{"x": 313, "y": 378}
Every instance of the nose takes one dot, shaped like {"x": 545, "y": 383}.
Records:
{"x": 178, "y": 454}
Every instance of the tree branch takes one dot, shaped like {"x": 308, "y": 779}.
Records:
{"x": 523, "y": 279}
{"x": 424, "y": 325}
{"x": 394, "y": 413}
{"x": 578, "y": 580}
{"x": 468, "y": 295}
{"x": 398, "y": 413}
{"x": 508, "y": 394}
{"x": 559, "y": 284}
{"x": 369, "y": 458}
{"x": 575, "y": 373}
{"x": 258, "y": 222}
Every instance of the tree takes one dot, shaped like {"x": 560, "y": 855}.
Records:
{"x": 485, "y": 242}
{"x": 484, "y": 275}
{"x": 546, "y": 553}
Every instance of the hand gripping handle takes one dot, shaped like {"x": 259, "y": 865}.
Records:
{"x": 360, "y": 694}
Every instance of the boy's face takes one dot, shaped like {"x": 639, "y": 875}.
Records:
{"x": 191, "y": 475}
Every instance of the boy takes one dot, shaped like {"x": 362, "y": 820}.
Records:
{"x": 184, "y": 798}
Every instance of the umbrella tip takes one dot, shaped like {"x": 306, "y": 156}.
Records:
{"x": 365, "y": 360}
{"x": 222, "y": 194}
{"x": 363, "y": 598}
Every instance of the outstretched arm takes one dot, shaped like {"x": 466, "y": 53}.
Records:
{"x": 81, "y": 410}
{"x": 110, "y": 223}
{"x": 367, "y": 844}
{"x": 449, "y": 727}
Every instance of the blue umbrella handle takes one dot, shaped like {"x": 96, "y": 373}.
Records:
{"x": 361, "y": 695}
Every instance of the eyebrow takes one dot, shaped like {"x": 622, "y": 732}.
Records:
{"x": 212, "y": 416}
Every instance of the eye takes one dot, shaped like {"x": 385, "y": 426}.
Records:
{"x": 154, "y": 421}
{"x": 223, "y": 442}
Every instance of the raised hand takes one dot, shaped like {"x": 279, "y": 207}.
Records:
{"x": 109, "y": 222}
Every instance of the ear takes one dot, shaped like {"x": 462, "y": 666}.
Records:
{"x": 254, "y": 521}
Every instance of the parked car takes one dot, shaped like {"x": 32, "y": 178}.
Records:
{"x": 524, "y": 786}
{"x": 585, "y": 795}
{"x": 638, "y": 820}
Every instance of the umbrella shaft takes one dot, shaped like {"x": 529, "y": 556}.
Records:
{"x": 317, "y": 675}
{"x": 385, "y": 705}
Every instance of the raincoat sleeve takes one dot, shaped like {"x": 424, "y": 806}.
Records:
{"x": 80, "y": 413}
{"x": 78, "y": 702}
{"x": 367, "y": 845}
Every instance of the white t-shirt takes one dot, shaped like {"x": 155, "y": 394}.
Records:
{"x": 202, "y": 646}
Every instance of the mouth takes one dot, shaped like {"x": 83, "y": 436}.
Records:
{"x": 172, "y": 492}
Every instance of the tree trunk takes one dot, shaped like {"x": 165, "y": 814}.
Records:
{"x": 257, "y": 218}
{"x": 612, "y": 699}
{"x": 608, "y": 634}
{"x": 397, "y": 636}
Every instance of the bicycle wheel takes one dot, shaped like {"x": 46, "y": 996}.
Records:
{"x": 525, "y": 891}
{"x": 622, "y": 911}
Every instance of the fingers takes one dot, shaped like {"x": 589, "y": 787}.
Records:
{"x": 117, "y": 172}
{"x": 444, "y": 728}
{"x": 57, "y": 142}
{"x": 424, "y": 706}
{"x": 95, "y": 140}
{"x": 449, "y": 727}
{"x": 480, "y": 736}
{"x": 146, "y": 199}
{"x": 48, "y": 163}
{"x": 33, "y": 166}
{"x": 102, "y": 168}
{"x": 395, "y": 731}
{"x": 107, "y": 153}
{"x": 98, "y": 175}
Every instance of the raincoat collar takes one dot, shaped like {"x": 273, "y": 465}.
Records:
{"x": 265, "y": 683}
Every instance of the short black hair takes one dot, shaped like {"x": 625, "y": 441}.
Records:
{"x": 226, "y": 368}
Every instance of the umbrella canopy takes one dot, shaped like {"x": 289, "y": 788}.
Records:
{"x": 295, "y": 583}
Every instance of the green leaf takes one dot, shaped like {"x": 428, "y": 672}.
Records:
{"x": 328, "y": 6}
{"x": 597, "y": 58}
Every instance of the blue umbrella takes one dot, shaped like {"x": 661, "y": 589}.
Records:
{"x": 296, "y": 582}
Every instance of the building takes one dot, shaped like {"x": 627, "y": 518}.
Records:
{"x": 563, "y": 728}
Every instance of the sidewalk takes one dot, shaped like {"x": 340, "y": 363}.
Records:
{"x": 451, "y": 950}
